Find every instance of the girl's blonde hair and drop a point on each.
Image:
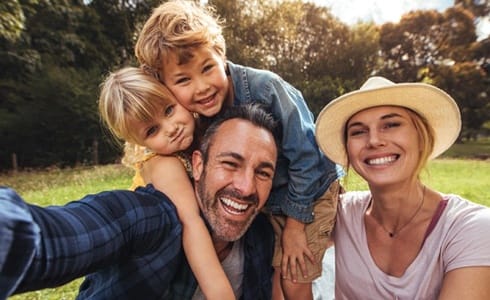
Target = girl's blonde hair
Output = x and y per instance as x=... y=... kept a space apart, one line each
x=129 y=95
x=179 y=27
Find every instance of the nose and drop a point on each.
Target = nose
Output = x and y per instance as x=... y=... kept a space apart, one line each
x=169 y=128
x=375 y=139
x=201 y=86
x=245 y=182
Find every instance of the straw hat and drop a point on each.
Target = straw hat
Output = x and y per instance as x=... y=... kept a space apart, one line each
x=440 y=110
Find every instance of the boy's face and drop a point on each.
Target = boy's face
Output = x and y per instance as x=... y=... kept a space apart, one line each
x=201 y=84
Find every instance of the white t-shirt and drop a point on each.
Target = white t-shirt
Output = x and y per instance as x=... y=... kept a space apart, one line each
x=233 y=265
x=460 y=238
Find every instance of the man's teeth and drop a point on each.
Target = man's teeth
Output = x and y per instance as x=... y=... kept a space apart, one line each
x=382 y=160
x=234 y=205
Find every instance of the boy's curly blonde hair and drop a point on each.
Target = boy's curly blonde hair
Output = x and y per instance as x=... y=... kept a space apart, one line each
x=128 y=95
x=179 y=27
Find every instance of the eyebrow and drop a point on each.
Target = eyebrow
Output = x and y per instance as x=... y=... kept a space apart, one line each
x=242 y=159
x=384 y=117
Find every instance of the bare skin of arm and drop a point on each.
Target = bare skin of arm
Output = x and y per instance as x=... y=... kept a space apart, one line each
x=168 y=175
x=295 y=249
x=470 y=283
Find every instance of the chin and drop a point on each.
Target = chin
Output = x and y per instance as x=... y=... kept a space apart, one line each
x=211 y=111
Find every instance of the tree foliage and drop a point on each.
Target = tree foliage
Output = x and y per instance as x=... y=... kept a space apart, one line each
x=55 y=53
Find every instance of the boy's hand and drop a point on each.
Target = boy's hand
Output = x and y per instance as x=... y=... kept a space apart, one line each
x=295 y=248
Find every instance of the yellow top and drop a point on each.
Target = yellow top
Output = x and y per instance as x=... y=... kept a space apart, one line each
x=138 y=179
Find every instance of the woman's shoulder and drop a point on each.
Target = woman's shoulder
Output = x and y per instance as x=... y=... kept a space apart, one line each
x=461 y=209
x=350 y=200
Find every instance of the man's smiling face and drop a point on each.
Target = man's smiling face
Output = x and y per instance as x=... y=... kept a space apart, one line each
x=235 y=182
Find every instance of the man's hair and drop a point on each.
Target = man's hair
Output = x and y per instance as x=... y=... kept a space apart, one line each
x=255 y=113
x=179 y=27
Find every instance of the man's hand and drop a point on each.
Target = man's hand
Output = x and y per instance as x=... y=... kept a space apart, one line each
x=295 y=249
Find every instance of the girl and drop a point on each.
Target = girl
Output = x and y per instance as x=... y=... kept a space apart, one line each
x=158 y=132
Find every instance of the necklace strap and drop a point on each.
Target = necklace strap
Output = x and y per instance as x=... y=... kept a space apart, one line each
x=394 y=233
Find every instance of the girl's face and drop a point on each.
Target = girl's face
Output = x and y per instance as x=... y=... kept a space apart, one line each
x=201 y=84
x=383 y=145
x=170 y=131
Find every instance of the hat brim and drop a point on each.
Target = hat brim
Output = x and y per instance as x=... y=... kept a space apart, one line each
x=440 y=110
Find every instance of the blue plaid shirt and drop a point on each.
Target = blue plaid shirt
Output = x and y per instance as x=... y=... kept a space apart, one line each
x=128 y=242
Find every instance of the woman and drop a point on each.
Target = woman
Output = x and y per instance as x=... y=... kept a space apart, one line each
x=401 y=239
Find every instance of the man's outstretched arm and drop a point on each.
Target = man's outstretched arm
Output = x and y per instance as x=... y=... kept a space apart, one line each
x=98 y=231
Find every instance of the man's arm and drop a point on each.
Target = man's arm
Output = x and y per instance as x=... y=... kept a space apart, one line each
x=19 y=236
x=96 y=232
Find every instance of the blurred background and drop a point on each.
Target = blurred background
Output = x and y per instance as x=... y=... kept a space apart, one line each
x=55 y=53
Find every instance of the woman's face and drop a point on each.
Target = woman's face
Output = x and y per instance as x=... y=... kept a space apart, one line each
x=383 y=145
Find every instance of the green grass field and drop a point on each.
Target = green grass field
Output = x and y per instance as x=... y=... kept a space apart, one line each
x=468 y=178
x=55 y=187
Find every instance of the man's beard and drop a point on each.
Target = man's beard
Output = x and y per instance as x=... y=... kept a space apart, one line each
x=221 y=227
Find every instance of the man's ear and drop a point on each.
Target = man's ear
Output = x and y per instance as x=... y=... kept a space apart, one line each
x=197 y=164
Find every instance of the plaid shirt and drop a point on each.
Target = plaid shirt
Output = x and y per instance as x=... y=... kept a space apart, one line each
x=130 y=245
x=19 y=236
x=257 y=279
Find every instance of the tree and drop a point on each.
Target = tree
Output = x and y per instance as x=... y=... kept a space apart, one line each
x=49 y=87
x=425 y=39
x=12 y=20
x=301 y=42
x=479 y=8
x=466 y=83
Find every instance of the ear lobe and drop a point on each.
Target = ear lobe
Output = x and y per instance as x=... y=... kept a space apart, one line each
x=197 y=165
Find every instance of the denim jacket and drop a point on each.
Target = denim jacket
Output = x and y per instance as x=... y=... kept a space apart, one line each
x=303 y=172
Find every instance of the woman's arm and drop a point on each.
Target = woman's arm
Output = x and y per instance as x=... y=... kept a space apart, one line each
x=168 y=175
x=469 y=283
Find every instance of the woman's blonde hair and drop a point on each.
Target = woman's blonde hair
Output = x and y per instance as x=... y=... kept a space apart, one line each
x=179 y=27
x=129 y=95
x=426 y=135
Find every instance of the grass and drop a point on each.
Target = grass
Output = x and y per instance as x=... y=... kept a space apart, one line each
x=470 y=149
x=468 y=178
x=58 y=186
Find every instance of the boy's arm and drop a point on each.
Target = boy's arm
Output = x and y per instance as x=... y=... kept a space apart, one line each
x=295 y=249
x=310 y=172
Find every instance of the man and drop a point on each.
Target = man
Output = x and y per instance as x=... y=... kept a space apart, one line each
x=130 y=242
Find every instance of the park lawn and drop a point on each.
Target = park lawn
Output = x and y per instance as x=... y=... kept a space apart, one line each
x=468 y=178
x=470 y=149
x=58 y=186
x=465 y=177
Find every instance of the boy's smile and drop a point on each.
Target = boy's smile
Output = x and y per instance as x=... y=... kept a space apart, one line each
x=200 y=84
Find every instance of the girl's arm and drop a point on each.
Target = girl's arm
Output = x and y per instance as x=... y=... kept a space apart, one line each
x=167 y=174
